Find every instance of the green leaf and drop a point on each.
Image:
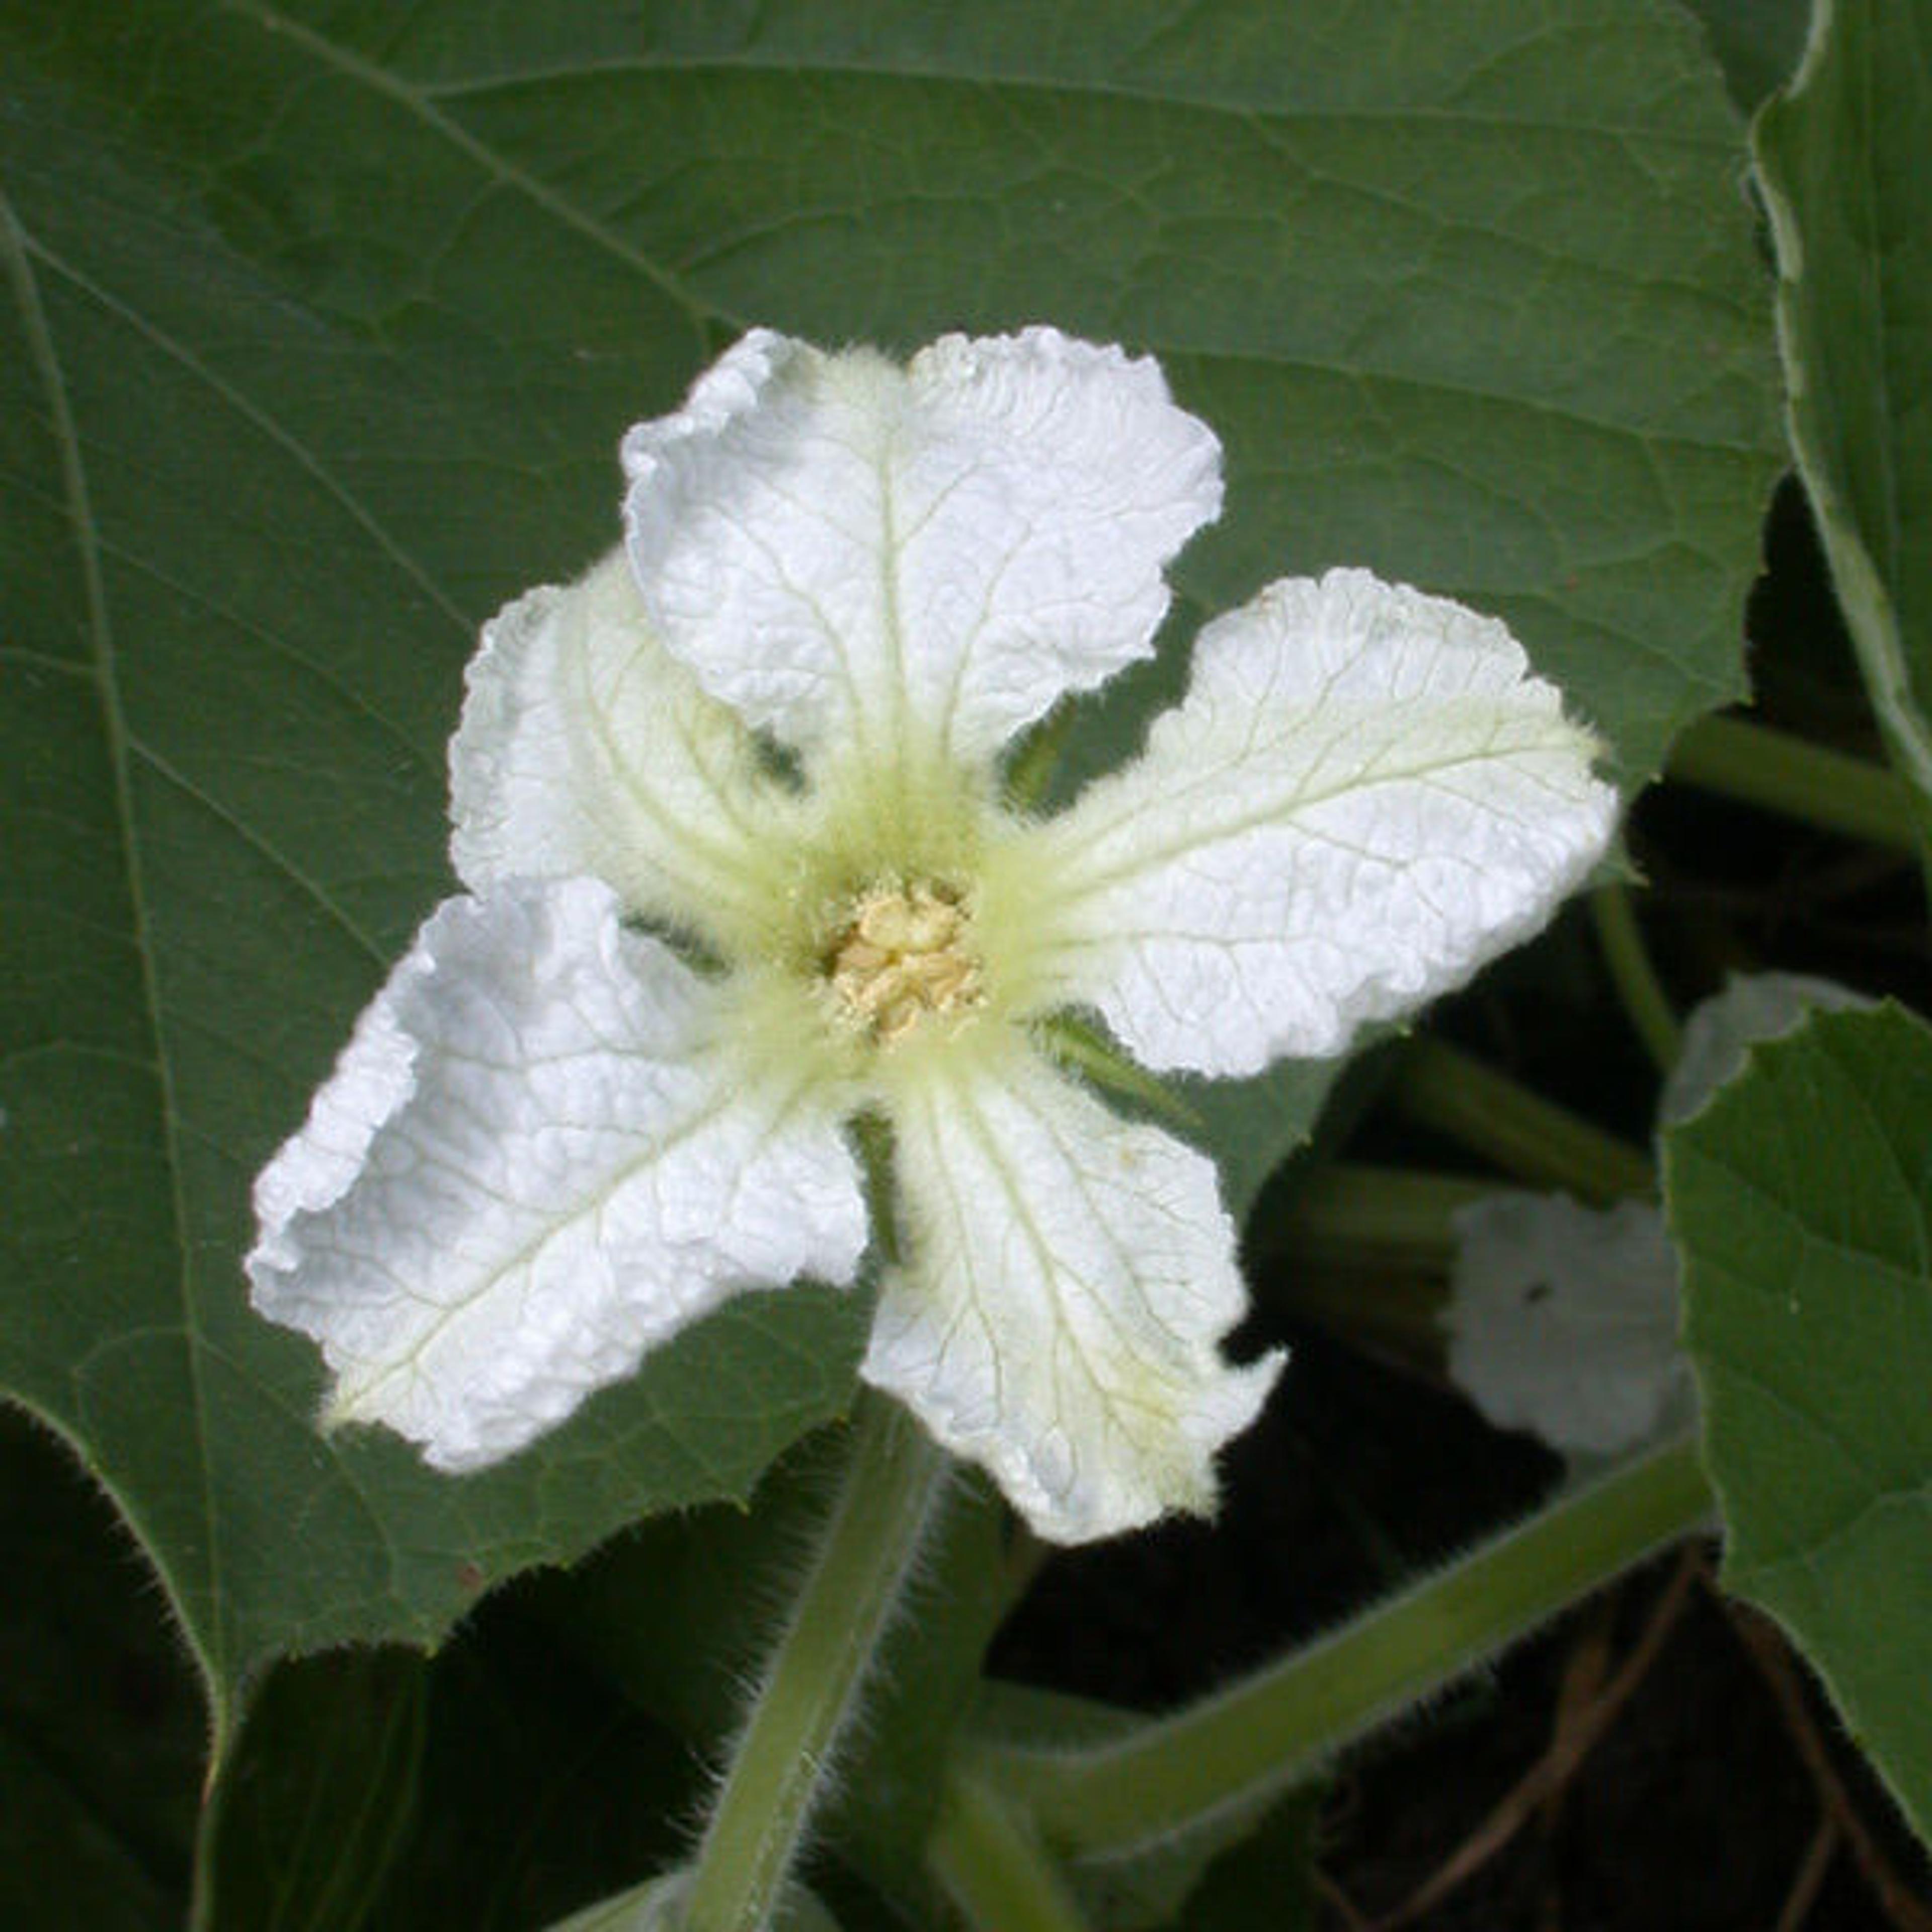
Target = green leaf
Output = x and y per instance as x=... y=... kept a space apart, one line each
x=101 y=1730
x=1247 y=1125
x=320 y=1794
x=1801 y=1199
x=1757 y=42
x=1267 y=1883
x=1841 y=159
x=223 y=739
x=323 y=326
x=538 y=1791
x=497 y=1785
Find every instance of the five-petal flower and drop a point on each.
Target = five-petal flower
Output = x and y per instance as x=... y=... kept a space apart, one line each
x=740 y=864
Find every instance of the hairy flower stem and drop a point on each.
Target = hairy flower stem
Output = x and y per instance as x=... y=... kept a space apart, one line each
x=1735 y=758
x=811 y=1686
x=1266 y=1732
x=1539 y=1142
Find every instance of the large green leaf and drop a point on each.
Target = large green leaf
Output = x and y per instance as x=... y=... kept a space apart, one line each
x=1842 y=159
x=1801 y=1200
x=1757 y=42
x=324 y=323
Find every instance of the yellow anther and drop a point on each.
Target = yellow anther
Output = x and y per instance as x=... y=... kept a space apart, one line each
x=903 y=953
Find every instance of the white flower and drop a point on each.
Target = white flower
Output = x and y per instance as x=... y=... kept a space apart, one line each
x=770 y=730
x=1562 y=1319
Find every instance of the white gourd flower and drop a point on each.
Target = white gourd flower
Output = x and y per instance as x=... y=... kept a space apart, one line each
x=554 y=1141
x=1563 y=1319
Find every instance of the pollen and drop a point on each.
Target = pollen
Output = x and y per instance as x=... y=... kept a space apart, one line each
x=903 y=954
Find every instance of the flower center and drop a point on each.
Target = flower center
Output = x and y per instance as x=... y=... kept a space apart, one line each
x=904 y=952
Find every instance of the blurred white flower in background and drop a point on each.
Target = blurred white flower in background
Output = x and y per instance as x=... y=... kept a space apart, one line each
x=1563 y=1319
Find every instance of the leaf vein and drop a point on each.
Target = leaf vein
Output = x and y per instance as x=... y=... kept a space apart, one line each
x=20 y=254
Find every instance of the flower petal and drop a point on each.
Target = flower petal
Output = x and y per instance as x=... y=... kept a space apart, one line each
x=919 y=561
x=586 y=750
x=1364 y=797
x=536 y=1159
x=1067 y=1278
x=1563 y=1320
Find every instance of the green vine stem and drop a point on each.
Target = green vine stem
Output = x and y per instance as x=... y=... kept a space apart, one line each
x=1173 y=1775
x=997 y=1875
x=843 y=1606
x=1348 y=1214
x=1646 y=1004
x=1367 y=1253
x=1442 y=1088
x=1759 y=765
